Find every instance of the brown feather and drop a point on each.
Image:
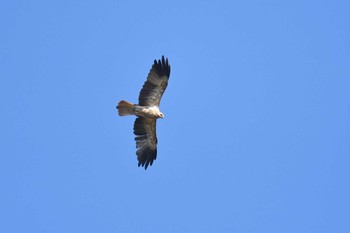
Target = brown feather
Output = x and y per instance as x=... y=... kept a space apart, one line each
x=125 y=108
x=156 y=83
x=146 y=141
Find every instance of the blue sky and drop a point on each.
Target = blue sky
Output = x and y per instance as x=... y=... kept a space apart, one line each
x=257 y=116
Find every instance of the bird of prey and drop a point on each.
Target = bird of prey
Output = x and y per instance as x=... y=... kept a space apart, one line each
x=147 y=111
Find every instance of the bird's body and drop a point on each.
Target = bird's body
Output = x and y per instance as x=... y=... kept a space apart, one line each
x=147 y=111
x=126 y=108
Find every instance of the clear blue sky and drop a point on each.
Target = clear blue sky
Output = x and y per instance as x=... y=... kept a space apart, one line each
x=256 y=135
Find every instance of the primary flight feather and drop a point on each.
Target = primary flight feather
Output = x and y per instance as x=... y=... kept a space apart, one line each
x=147 y=111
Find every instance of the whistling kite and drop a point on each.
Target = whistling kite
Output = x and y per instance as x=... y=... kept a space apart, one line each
x=147 y=111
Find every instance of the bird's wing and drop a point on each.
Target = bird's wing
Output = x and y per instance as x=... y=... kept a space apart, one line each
x=146 y=140
x=156 y=83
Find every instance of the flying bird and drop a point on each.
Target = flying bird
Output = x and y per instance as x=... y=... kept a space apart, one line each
x=147 y=112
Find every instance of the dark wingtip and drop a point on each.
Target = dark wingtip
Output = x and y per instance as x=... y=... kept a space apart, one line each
x=163 y=66
x=146 y=159
x=144 y=164
x=163 y=60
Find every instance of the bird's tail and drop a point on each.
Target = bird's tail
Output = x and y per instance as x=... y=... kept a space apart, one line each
x=125 y=108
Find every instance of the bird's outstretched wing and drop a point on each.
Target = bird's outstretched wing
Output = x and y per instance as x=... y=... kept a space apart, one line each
x=146 y=140
x=156 y=83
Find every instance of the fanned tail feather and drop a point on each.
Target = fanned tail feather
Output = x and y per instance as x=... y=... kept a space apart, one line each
x=125 y=108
